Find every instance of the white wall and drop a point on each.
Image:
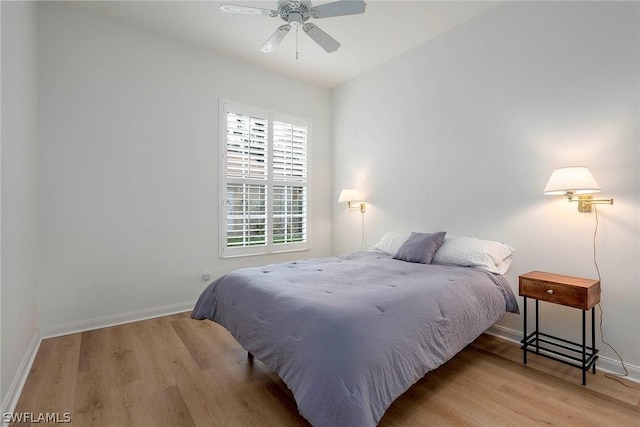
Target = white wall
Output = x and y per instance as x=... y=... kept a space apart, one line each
x=18 y=191
x=129 y=165
x=461 y=134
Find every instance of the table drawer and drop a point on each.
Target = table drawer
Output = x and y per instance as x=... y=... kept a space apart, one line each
x=555 y=293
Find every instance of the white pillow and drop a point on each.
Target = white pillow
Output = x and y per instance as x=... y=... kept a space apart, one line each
x=390 y=243
x=488 y=255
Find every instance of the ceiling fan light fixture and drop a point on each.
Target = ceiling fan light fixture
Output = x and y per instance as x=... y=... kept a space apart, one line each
x=295 y=20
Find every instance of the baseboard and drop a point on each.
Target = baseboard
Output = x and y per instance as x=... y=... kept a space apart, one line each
x=116 y=319
x=20 y=378
x=505 y=333
x=605 y=364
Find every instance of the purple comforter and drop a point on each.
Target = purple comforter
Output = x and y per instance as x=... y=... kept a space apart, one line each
x=350 y=334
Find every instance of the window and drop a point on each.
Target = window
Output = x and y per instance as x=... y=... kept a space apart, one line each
x=263 y=179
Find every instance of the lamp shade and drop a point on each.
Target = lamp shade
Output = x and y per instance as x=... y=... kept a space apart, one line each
x=349 y=195
x=571 y=179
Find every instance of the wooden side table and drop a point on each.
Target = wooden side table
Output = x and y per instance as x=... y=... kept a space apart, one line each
x=570 y=291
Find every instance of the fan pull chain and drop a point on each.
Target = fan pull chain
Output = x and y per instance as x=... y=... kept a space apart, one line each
x=296 y=43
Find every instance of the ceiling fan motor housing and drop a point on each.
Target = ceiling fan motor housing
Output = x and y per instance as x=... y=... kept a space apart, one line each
x=294 y=12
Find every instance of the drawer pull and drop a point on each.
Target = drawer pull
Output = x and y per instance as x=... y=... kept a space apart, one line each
x=550 y=291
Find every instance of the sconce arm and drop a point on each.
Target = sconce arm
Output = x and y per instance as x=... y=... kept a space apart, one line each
x=585 y=202
x=356 y=206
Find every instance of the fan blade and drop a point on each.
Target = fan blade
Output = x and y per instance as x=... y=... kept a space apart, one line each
x=275 y=39
x=338 y=8
x=236 y=8
x=325 y=41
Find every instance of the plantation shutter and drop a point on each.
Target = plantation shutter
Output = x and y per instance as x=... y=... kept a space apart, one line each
x=265 y=180
x=246 y=161
x=246 y=146
x=290 y=170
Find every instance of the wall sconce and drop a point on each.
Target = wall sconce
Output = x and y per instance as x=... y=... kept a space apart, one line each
x=575 y=180
x=352 y=199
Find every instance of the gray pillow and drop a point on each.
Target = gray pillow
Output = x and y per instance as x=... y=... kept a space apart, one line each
x=420 y=247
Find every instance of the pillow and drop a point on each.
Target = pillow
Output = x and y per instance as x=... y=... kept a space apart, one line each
x=488 y=255
x=390 y=243
x=420 y=247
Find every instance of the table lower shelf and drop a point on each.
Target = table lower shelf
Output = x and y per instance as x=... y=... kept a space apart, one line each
x=561 y=350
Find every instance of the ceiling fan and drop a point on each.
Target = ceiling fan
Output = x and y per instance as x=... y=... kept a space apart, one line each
x=296 y=13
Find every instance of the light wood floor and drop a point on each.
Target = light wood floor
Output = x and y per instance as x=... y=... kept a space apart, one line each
x=174 y=371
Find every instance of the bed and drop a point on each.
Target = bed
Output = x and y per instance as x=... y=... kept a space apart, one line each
x=349 y=334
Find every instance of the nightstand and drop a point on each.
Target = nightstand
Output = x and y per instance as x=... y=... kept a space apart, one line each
x=569 y=291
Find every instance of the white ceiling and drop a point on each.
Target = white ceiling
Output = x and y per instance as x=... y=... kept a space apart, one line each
x=385 y=30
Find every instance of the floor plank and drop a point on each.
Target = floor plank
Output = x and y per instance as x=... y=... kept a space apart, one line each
x=51 y=383
x=175 y=371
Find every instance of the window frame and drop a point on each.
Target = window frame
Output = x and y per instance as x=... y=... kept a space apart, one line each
x=270 y=116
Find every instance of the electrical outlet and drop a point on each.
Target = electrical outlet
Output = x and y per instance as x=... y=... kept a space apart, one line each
x=206 y=276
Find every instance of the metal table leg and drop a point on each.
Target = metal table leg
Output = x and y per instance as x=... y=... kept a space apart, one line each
x=584 y=349
x=537 y=331
x=593 y=336
x=524 y=347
